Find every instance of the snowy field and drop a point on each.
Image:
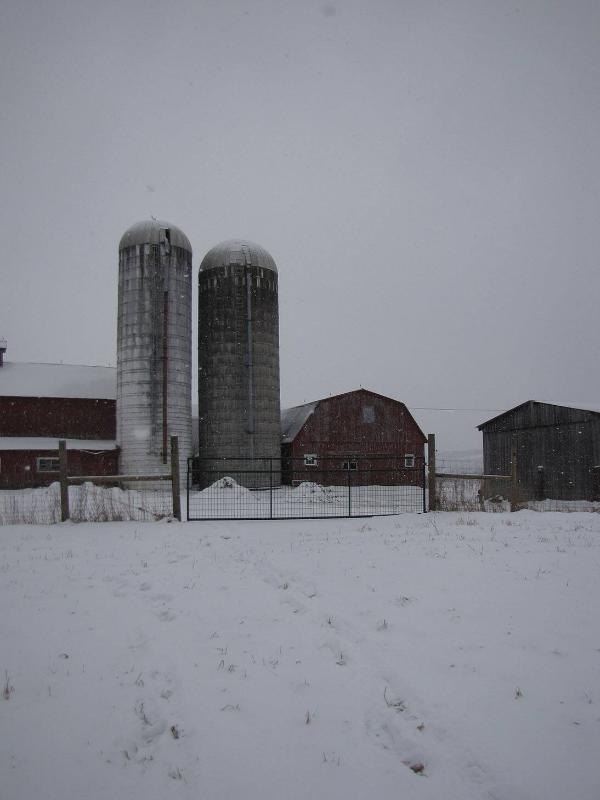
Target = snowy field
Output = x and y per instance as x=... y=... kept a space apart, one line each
x=451 y=656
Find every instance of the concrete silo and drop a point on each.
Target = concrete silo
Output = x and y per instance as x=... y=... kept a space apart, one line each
x=238 y=361
x=154 y=358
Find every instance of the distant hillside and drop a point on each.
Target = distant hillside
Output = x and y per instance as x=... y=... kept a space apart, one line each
x=467 y=461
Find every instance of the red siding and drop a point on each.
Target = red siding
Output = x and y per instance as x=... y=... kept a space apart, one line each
x=64 y=418
x=338 y=428
x=59 y=418
x=18 y=468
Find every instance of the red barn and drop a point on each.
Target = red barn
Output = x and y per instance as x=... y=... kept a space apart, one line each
x=42 y=403
x=360 y=431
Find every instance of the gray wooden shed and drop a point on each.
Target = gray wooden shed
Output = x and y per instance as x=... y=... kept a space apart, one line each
x=558 y=449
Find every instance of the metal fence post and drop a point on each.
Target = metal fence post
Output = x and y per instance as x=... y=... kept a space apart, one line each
x=190 y=466
x=175 y=486
x=431 y=463
x=64 y=483
x=349 y=495
x=270 y=488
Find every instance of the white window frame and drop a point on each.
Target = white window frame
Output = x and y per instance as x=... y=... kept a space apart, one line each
x=39 y=461
x=311 y=460
x=351 y=465
x=409 y=460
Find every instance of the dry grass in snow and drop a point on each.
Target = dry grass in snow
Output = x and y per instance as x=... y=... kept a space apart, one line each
x=432 y=656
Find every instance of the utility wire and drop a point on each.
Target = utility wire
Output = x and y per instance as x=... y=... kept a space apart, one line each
x=429 y=408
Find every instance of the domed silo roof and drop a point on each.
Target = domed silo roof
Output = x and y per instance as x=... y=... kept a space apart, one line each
x=148 y=231
x=238 y=251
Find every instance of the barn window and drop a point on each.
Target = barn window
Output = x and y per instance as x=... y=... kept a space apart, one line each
x=368 y=414
x=350 y=465
x=48 y=464
x=409 y=460
x=310 y=460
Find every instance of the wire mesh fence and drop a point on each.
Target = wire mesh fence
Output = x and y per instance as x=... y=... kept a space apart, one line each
x=146 y=503
x=457 y=490
x=30 y=506
x=357 y=486
x=460 y=485
x=87 y=502
x=468 y=493
x=97 y=498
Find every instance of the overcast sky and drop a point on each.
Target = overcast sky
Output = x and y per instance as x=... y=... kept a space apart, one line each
x=425 y=174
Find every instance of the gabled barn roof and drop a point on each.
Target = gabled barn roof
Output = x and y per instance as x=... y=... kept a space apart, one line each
x=18 y=379
x=293 y=419
x=594 y=408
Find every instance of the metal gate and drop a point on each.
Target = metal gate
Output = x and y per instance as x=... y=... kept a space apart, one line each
x=304 y=488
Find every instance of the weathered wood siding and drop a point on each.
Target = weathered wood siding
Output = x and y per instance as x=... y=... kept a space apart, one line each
x=564 y=442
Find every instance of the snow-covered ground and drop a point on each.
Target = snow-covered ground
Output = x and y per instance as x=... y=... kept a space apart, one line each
x=302 y=659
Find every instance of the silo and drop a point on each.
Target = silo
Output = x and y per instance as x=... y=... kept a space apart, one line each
x=238 y=362
x=154 y=335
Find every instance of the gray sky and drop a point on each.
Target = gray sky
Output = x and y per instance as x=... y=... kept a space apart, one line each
x=425 y=174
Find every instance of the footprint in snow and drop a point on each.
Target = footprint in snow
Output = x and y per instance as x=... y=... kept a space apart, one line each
x=161 y=598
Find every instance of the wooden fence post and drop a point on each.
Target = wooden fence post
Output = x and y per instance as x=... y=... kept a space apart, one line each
x=596 y=483
x=514 y=498
x=175 y=477
x=64 y=484
x=431 y=465
x=540 y=484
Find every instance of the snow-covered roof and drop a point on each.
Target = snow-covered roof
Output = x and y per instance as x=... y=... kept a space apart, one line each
x=293 y=420
x=47 y=443
x=57 y=380
x=152 y=231
x=238 y=251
